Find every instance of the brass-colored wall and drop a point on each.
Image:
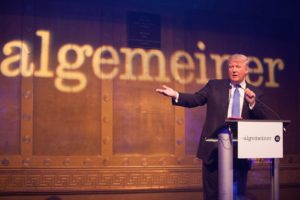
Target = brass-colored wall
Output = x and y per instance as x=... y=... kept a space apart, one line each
x=115 y=135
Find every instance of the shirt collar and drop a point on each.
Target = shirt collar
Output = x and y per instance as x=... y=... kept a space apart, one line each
x=242 y=84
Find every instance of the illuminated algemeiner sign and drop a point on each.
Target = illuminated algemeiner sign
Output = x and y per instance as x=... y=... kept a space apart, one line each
x=68 y=78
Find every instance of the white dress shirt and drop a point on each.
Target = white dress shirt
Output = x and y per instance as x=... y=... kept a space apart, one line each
x=242 y=94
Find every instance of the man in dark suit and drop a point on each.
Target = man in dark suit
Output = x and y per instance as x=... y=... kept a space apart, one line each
x=224 y=98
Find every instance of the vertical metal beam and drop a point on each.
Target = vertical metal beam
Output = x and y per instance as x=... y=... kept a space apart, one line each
x=275 y=179
x=225 y=166
x=106 y=120
x=26 y=126
x=179 y=128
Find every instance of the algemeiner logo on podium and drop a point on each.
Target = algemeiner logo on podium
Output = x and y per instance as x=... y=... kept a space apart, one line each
x=260 y=139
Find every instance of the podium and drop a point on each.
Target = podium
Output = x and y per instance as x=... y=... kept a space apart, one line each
x=263 y=135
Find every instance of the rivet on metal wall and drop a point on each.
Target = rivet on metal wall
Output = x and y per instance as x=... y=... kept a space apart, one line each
x=179 y=141
x=106 y=98
x=105 y=120
x=125 y=161
x=87 y=161
x=162 y=161
x=179 y=161
x=26 y=162
x=144 y=162
x=66 y=161
x=26 y=139
x=26 y=117
x=5 y=162
x=27 y=94
x=105 y=161
x=47 y=162
x=106 y=140
x=179 y=121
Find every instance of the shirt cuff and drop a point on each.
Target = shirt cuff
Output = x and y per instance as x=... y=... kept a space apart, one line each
x=176 y=98
x=251 y=107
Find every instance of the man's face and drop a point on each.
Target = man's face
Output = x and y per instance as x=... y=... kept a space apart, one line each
x=237 y=70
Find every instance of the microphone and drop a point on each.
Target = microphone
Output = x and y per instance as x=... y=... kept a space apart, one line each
x=259 y=101
x=269 y=108
x=272 y=111
x=262 y=103
x=266 y=106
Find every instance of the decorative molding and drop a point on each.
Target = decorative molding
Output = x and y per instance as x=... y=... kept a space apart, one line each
x=128 y=178
x=49 y=180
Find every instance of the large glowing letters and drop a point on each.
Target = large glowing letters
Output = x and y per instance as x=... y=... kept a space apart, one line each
x=256 y=69
x=99 y=60
x=65 y=69
x=145 y=62
x=182 y=61
x=272 y=64
x=106 y=63
x=44 y=71
x=21 y=56
x=202 y=79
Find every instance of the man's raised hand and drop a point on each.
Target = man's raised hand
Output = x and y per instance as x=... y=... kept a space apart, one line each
x=167 y=91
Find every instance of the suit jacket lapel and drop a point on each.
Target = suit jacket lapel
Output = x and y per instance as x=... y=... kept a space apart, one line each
x=225 y=96
x=245 y=110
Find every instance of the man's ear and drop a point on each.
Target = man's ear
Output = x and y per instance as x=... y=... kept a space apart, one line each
x=247 y=70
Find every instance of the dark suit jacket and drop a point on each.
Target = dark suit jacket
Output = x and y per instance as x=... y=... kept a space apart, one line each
x=215 y=94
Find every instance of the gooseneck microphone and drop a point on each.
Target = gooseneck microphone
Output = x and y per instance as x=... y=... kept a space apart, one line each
x=267 y=107
x=258 y=101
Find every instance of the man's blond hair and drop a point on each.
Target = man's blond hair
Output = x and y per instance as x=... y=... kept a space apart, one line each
x=239 y=57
